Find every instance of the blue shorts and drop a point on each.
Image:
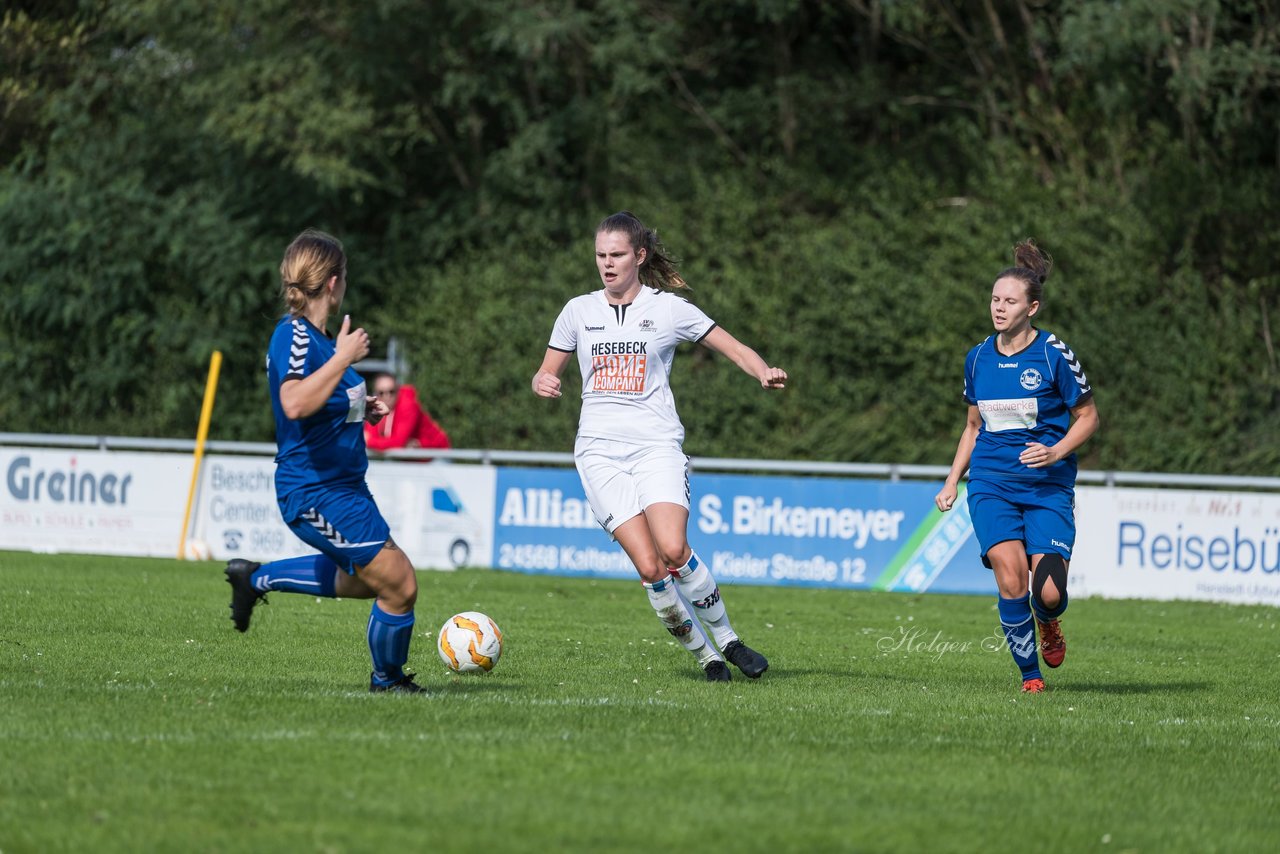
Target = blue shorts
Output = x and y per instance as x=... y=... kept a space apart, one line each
x=1039 y=515
x=343 y=523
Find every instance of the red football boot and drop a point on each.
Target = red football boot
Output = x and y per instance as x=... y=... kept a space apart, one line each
x=1053 y=647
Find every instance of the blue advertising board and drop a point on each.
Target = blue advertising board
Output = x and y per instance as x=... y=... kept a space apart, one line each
x=811 y=532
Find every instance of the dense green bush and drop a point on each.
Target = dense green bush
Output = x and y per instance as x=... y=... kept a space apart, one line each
x=841 y=181
x=871 y=312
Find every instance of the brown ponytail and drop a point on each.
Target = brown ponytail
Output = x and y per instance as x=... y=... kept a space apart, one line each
x=310 y=261
x=1031 y=266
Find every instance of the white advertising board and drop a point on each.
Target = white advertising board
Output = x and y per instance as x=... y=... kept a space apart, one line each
x=236 y=513
x=1131 y=543
x=1177 y=544
x=95 y=502
x=440 y=514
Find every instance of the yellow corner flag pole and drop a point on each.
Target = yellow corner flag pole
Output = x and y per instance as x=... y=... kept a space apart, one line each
x=206 y=412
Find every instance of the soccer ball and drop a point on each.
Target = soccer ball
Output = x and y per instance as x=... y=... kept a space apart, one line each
x=469 y=642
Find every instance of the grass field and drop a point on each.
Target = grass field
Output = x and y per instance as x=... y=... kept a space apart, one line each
x=134 y=718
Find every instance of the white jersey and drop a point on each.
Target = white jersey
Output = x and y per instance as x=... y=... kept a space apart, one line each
x=625 y=354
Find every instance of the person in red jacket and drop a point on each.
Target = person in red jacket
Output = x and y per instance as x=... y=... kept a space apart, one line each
x=408 y=425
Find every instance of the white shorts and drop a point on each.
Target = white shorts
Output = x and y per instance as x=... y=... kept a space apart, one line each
x=621 y=479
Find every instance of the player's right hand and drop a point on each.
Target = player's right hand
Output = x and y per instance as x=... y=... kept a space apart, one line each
x=546 y=385
x=351 y=346
x=945 y=498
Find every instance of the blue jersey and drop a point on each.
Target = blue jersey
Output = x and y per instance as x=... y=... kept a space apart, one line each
x=327 y=447
x=1023 y=397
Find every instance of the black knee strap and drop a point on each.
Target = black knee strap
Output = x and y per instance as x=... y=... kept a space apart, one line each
x=1051 y=566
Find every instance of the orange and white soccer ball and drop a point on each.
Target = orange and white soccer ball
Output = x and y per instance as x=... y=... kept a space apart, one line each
x=470 y=642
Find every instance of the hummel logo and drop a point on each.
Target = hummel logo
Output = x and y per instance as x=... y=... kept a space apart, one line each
x=1023 y=646
x=1006 y=364
x=595 y=329
x=711 y=600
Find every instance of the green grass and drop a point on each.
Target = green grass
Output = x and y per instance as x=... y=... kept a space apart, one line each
x=133 y=717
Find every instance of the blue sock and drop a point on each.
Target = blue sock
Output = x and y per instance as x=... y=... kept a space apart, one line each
x=1047 y=614
x=389 y=636
x=314 y=574
x=1020 y=634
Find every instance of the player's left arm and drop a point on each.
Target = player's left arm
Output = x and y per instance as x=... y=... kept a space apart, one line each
x=1084 y=423
x=374 y=411
x=746 y=358
x=404 y=426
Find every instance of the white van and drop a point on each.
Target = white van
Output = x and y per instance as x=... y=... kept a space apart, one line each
x=427 y=518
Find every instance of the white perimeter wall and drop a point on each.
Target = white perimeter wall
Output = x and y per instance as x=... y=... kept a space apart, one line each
x=1143 y=543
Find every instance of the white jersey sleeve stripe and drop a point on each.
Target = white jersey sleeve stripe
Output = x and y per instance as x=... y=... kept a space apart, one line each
x=1077 y=370
x=298 y=351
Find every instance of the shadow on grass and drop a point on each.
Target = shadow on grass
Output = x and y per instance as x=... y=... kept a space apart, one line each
x=1132 y=688
x=472 y=685
x=775 y=674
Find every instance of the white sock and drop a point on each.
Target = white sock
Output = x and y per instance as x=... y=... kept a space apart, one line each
x=671 y=610
x=700 y=589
